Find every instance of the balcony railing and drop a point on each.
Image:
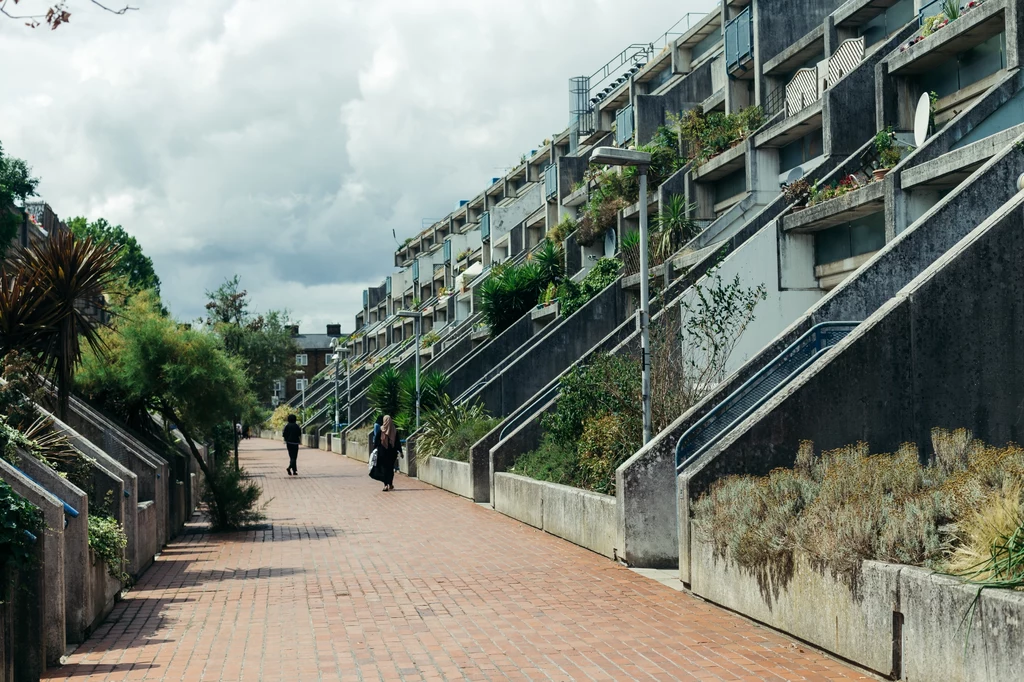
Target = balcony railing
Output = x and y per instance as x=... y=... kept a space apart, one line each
x=415 y=271
x=739 y=42
x=623 y=125
x=485 y=226
x=447 y=250
x=551 y=181
x=387 y=286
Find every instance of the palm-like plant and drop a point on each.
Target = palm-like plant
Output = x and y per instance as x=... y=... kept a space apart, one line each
x=444 y=422
x=673 y=227
x=550 y=261
x=433 y=385
x=509 y=294
x=385 y=391
x=45 y=289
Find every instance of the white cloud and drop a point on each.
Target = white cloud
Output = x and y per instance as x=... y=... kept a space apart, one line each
x=284 y=141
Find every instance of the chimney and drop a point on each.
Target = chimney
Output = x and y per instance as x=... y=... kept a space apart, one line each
x=294 y=329
x=334 y=330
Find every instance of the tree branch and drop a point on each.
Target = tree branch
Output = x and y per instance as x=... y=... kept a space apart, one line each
x=123 y=10
x=57 y=14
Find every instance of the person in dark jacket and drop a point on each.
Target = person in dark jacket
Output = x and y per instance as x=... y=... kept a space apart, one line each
x=292 y=439
x=388 y=449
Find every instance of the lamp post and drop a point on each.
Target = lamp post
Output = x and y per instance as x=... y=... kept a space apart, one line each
x=337 y=381
x=418 y=317
x=348 y=386
x=301 y=373
x=613 y=156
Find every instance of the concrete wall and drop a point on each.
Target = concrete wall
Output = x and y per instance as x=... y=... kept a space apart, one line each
x=104 y=591
x=446 y=474
x=902 y=622
x=909 y=367
x=809 y=604
x=76 y=545
x=584 y=518
x=52 y=569
x=22 y=623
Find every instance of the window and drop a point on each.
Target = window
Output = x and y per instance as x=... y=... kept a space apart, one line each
x=301 y=384
x=864 y=235
x=278 y=388
x=301 y=359
x=808 y=147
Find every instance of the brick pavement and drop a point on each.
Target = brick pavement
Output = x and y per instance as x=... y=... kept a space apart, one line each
x=417 y=584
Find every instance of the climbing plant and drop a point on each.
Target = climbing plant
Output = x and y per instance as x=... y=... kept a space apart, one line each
x=108 y=540
x=17 y=515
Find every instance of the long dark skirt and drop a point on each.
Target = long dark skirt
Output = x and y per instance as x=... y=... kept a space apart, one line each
x=384 y=471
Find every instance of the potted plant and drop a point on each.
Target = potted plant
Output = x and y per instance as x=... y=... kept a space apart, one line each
x=888 y=152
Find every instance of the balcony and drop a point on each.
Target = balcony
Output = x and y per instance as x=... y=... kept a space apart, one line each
x=551 y=181
x=624 y=125
x=739 y=43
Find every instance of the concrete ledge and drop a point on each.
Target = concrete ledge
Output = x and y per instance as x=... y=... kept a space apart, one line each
x=730 y=160
x=149 y=540
x=960 y=162
x=455 y=477
x=856 y=204
x=969 y=30
x=583 y=518
x=808 y=604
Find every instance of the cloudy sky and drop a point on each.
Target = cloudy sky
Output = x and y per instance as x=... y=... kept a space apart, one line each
x=284 y=140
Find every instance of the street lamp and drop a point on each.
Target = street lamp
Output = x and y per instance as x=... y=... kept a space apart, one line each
x=302 y=373
x=418 y=316
x=337 y=381
x=613 y=156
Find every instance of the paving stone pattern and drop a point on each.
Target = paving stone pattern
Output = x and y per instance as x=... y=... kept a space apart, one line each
x=350 y=583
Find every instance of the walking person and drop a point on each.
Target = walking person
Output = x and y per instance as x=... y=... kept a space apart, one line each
x=388 y=449
x=292 y=439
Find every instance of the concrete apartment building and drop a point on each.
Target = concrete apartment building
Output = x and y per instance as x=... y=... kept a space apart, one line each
x=876 y=289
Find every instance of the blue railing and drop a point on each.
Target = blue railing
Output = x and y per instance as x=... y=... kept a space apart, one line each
x=551 y=181
x=447 y=250
x=623 y=125
x=416 y=270
x=757 y=389
x=739 y=42
x=485 y=226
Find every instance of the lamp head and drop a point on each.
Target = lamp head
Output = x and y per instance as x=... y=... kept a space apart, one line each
x=614 y=156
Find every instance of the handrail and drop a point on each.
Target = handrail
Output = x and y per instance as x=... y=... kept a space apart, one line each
x=528 y=410
x=703 y=427
x=68 y=509
x=31 y=537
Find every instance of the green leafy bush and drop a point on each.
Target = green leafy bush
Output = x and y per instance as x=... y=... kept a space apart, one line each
x=573 y=296
x=107 y=538
x=237 y=502
x=17 y=515
x=553 y=461
x=561 y=231
x=708 y=135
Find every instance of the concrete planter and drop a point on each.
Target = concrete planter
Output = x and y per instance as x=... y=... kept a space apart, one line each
x=455 y=477
x=545 y=313
x=104 y=591
x=583 y=518
x=903 y=622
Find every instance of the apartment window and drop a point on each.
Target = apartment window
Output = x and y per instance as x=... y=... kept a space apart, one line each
x=278 y=388
x=301 y=359
x=808 y=147
x=301 y=384
x=864 y=235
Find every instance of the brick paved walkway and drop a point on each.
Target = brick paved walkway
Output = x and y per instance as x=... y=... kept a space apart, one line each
x=352 y=583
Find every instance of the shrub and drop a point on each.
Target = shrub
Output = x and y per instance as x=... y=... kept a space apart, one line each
x=17 y=515
x=429 y=339
x=961 y=511
x=107 y=538
x=708 y=135
x=433 y=385
x=561 y=231
x=573 y=296
x=385 y=392
x=237 y=503
x=509 y=293
x=673 y=227
x=279 y=417
x=553 y=461
x=606 y=442
x=450 y=430
x=550 y=261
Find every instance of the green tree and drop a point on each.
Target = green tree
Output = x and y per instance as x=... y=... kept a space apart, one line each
x=180 y=373
x=16 y=185
x=261 y=342
x=135 y=267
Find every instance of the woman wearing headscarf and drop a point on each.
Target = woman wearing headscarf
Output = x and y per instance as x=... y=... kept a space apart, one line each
x=388 y=449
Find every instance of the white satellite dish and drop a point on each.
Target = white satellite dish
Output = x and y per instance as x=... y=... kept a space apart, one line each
x=922 y=117
x=795 y=174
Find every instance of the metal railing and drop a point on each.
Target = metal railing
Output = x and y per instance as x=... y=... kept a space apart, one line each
x=624 y=125
x=551 y=181
x=528 y=410
x=739 y=42
x=775 y=102
x=727 y=414
x=485 y=226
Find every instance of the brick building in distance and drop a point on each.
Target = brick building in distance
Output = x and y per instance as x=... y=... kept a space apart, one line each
x=311 y=358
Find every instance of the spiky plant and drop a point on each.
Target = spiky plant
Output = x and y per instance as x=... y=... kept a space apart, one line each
x=433 y=385
x=385 y=391
x=45 y=289
x=673 y=227
x=450 y=429
x=550 y=261
x=510 y=293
